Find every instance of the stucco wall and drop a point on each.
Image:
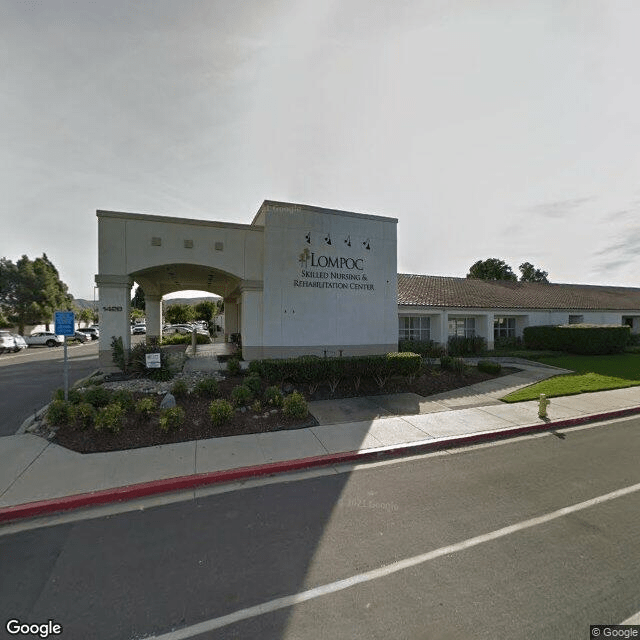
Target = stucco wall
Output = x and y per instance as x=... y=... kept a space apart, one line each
x=319 y=292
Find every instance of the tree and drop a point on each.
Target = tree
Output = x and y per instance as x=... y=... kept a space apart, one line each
x=179 y=313
x=138 y=301
x=491 y=269
x=206 y=310
x=530 y=274
x=30 y=291
x=84 y=315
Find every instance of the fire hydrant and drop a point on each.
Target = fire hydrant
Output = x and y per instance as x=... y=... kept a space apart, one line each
x=542 y=407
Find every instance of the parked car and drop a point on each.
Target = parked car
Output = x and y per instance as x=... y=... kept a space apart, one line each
x=92 y=332
x=20 y=342
x=7 y=342
x=138 y=329
x=82 y=337
x=47 y=338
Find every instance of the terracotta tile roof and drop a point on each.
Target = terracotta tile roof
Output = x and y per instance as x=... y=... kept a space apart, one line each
x=439 y=291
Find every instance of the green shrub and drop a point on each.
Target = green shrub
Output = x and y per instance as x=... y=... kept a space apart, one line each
x=118 y=354
x=578 y=338
x=73 y=395
x=146 y=407
x=295 y=406
x=59 y=413
x=220 y=411
x=179 y=388
x=206 y=388
x=254 y=383
x=171 y=418
x=241 y=396
x=110 y=418
x=458 y=366
x=505 y=343
x=273 y=396
x=489 y=366
x=84 y=415
x=124 y=398
x=426 y=348
x=256 y=407
x=446 y=363
x=466 y=346
x=97 y=396
x=185 y=338
x=233 y=366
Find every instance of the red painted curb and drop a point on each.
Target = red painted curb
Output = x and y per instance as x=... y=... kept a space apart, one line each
x=154 y=487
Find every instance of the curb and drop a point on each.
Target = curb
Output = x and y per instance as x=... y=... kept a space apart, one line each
x=168 y=485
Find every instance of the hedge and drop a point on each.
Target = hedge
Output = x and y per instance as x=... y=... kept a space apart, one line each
x=315 y=370
x=578 y=338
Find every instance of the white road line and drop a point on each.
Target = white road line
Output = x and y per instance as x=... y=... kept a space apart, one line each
x=386 y=570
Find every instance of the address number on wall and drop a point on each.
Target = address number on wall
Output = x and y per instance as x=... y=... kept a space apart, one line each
x=112 y=308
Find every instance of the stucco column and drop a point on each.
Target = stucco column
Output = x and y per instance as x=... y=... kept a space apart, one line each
x=251 y=319
x=114 y=315
x=487 y=329
x=230 y=318
x=444 y=328
x=153 y=313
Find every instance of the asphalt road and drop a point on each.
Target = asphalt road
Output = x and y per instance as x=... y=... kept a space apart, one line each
x=487 y=552
x=28 y=379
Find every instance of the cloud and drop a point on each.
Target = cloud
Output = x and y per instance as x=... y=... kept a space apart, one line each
x=559 y=208
x=621 y=252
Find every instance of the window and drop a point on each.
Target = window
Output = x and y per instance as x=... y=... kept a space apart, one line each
x=504 y=328
x=464 y=327
x=576 y=319
x=414 y=328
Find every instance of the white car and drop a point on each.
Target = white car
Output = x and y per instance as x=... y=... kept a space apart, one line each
x=47 y=338
x=21 y=343
x=7 y=342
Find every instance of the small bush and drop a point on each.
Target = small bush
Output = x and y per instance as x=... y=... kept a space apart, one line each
x=488 y=366
x=458 y=366
x=256 y=407
x=124 y=398
x=254 y=383
x=74 y=395
x=110 y=418
x=146 y=407
x=273 y=396
x=241 y=396
x=220 y=411
x=171 y=419
x=446 y=363
x=179 y=388
x=84 y=415
x=97 y=396
x=59 y=413
x=295 y=406
x=233 y=366
x=178 y=338
x=206 y=388
x=466 y=346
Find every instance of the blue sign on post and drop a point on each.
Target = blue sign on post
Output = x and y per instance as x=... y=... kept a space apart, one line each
x=65 y=323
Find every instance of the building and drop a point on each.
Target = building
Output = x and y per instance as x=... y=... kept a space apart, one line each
x=434 y=307
x=304 y=280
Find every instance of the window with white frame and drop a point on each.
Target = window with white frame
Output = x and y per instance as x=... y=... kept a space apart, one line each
x=464 y=327
x=414 y=328
x=504 y=328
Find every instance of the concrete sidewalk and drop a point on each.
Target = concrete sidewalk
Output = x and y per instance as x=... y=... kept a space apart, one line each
x=37 y=476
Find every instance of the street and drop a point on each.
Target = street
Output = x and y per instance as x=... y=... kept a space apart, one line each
x=469 y=543
x=29 y=378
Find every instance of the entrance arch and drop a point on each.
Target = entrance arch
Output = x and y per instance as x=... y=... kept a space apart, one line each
x=165 y=255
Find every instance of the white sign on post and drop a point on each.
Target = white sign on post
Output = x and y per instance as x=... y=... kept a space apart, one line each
x=153 y=360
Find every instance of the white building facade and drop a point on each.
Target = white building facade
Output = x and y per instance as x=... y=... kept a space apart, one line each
x=298 y=280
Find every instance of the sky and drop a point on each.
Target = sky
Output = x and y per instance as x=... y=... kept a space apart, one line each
x=488 y=128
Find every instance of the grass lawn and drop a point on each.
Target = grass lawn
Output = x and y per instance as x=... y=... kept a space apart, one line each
x=593 y=373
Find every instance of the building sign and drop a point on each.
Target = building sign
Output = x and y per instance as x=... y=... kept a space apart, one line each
x=65 y=324
x=321 y=271
x=152 y=360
